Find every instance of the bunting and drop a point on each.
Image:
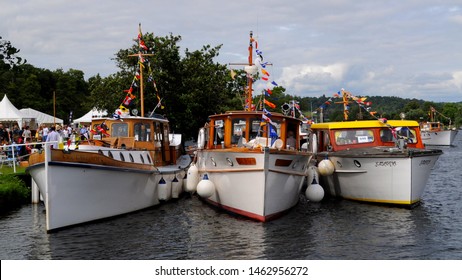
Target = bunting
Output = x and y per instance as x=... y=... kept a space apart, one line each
x=143 y=63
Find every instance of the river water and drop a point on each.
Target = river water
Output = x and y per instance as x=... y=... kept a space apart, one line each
x=189 y=229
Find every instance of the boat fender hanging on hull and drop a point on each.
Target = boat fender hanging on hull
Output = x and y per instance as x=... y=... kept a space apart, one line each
x=205 y=188
x=326 y=167
x=314 y=192
x=176 y=187
x=192 y=178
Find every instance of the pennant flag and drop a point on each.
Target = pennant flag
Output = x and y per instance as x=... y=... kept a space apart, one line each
x=268 y=113
x=274 y=83
x=269 y=91
x=264 y=78
x=233 y=74
x=265 y=72
x=271 y=105
x=143 y=45
x=123 y=109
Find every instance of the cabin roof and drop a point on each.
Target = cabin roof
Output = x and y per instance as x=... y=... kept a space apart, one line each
x=363 y=124
x=156 y=118
x=250 y=113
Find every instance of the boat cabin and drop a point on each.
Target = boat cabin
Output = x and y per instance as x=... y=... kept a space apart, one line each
x=235 y=128
x=136 y=133
x=337 y=136
x=431 y=126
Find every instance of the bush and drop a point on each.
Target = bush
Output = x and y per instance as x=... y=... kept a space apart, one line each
x=13 y=192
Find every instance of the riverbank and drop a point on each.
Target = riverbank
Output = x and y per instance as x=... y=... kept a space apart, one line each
x=14 y=189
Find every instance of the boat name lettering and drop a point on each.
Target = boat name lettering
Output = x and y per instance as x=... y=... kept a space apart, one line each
x=388 y=163
x=425 y=162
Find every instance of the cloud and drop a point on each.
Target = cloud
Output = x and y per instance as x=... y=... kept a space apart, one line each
x=403 y=48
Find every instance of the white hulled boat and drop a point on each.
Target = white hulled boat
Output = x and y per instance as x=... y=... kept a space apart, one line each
x=434 y=133
x=130 y=164
x=373 y=160
x=247 y=168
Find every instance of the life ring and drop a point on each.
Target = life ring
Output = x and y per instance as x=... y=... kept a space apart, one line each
x=201 y=138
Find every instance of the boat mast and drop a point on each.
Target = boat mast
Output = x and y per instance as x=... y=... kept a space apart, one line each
x=249 y=79
x=141 y=56
x=345 y=101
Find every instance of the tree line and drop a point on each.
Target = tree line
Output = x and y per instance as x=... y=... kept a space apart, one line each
x=191 y=86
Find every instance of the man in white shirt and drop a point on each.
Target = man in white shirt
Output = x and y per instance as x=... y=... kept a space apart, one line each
x=53 y=136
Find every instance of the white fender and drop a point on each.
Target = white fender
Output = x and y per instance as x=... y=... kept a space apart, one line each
x=192 y=179
x=176 y=188
x=201 y=139
x=314 y=192
x=326 y=167
x=205 y=188
x=162 y=187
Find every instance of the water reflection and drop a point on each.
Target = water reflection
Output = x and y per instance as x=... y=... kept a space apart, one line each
x=190 y=229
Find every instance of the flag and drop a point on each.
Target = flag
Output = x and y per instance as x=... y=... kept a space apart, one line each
x=271 y=105
x=233 y=74
x=264 y=78
x=268 y=113
x=264 y=72
x=274 y=83
x=143 y=45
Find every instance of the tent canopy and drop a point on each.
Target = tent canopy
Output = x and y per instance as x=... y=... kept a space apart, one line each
x=8 y=112
x=40 y=118
x=94 y=113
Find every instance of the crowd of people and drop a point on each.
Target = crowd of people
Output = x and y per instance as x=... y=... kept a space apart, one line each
x=44 y=133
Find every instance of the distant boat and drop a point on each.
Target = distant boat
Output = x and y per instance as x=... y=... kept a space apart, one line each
x=131 y=163
x=434 y=133
x=245 y=163
x=379 y=161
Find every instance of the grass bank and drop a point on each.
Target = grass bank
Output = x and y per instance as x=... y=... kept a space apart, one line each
x=13 y=189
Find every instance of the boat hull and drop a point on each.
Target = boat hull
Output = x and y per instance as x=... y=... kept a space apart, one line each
x=398 y=179
x=80 y=192
x=258 y=185
x=438 y=138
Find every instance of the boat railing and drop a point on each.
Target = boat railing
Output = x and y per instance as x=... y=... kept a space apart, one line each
x=11 y=154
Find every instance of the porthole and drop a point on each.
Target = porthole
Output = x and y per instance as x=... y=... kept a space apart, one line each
x=357 y=163
x=142 y=158
x=122 y=158
x=100 y=152
x=230 y=162
x=109 y=154
x=131 y=157
x=213 y=161
x=149 y=159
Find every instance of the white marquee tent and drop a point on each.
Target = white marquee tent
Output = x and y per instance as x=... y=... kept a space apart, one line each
x=94 y=113
x=9 y=113
x=40 y=118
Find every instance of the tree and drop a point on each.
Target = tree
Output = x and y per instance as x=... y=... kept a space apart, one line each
x=8 y=56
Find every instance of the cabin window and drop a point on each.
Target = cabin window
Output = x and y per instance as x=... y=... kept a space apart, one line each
x=386 y=135
x=255 y=129
x=119 y=130
x=158 y=134
x=142 y=132
x=354 y=136
x=219 y=134
x=407 y=133
x=238 y=130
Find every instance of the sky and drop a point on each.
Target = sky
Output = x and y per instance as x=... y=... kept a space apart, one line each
x=404 y=48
